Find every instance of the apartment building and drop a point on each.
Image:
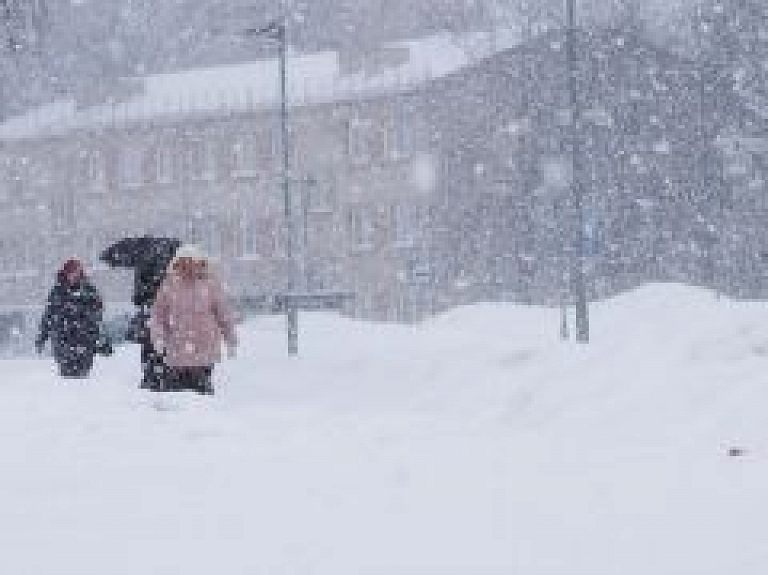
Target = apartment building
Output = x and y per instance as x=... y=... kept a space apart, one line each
x=198 y=155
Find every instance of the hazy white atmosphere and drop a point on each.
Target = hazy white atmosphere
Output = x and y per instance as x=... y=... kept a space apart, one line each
x=383 y=287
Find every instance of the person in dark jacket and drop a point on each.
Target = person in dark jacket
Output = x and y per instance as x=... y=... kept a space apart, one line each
x=149 y=256
x=149 y=274
x=72 y=321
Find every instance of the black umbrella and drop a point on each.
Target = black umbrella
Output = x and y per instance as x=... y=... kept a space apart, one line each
x=135 y=251
x=149 y=256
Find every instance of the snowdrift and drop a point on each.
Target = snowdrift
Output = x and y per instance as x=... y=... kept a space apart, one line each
x=476 y=443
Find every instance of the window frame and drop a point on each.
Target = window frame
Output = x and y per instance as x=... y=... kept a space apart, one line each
x=130 y=167
x=200 y=160
x=165 y=165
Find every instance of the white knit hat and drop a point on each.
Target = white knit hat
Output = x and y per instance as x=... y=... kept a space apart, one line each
x=190 y=251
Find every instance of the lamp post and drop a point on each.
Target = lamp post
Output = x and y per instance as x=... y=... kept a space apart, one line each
x=276 y=32
x=295 y=236
x=578 y=280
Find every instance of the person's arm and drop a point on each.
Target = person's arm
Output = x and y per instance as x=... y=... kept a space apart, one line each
x=46 y=322
x=223 y=314
x=96 y=303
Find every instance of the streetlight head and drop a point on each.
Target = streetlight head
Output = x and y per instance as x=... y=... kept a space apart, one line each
x=275 y=30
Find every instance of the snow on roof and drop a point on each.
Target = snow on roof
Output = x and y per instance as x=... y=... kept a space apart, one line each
x=311 y=79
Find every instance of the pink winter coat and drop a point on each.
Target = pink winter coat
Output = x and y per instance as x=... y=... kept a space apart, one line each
x=189 y=320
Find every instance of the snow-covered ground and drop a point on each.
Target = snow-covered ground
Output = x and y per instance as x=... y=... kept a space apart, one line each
x=475 y=444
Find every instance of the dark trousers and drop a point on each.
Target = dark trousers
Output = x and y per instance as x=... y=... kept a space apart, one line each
x=153 y=367
x=76 y=365
x=74 y=358
x=199 y=379
x=159 y=376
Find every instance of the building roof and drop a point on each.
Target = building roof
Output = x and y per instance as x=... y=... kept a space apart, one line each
x=311 y=79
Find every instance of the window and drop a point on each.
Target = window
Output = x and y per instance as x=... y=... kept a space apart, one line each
x=130 y=167
x=321 y=197
x=360 y=140
x=248 y=239
x=200 y=160
x=246 y=153
x=18 y=177
x=258 y=237
x=6 y=252
x=419 y=270
x=9 y=182
x=212 y=237
x=504 y=270
x=6 y=180
x=319 y=277
x=164 y=165
x=405 y=224
x=63 y=211
x=740 y=165
x=404 y=130
x=94 y=171
x=361 y=228
x=39 y=173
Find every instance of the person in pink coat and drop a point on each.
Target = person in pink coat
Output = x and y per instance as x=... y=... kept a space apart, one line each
x=190 y=320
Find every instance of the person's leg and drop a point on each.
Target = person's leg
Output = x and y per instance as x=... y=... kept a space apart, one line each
x=82 y=363
x=64 y=355
x=147 y=353
x=172 y=378
x=192 y=379
x=65 y=368
x=204 y=380
x=155 y=372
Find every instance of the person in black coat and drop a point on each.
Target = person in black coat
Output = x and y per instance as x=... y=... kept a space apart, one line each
x=72 y=321
x=149 y=274
x=149 y=257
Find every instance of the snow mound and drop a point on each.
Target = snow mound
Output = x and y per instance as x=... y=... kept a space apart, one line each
x=476 y=443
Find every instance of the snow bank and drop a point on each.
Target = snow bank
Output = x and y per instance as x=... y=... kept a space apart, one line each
x=476 y=443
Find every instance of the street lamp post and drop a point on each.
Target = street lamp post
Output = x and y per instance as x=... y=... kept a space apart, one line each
x=276 y=31
x=296 y=297
x=578 y=280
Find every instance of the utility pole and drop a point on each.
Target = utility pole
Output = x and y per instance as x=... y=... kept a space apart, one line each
x=578 y=280
x=277 y=32
x=292 y=315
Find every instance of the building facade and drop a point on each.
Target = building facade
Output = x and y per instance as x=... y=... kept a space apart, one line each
x=360 y=186
x=417 y=185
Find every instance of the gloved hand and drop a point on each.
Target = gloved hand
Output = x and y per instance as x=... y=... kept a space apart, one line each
x=39 y=346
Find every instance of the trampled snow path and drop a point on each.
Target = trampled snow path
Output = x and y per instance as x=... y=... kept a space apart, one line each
x=475 y=444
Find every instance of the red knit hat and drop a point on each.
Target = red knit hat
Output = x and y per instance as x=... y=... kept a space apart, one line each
x=71 y=266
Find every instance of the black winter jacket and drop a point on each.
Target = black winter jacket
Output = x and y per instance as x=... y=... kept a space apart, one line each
x=72 y=316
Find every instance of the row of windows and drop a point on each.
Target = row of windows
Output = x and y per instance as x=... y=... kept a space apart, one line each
x=248 y=155
x=364 y=141
x=137 y=165
x=264 y=237
x=406 y=222
x=367 y=139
